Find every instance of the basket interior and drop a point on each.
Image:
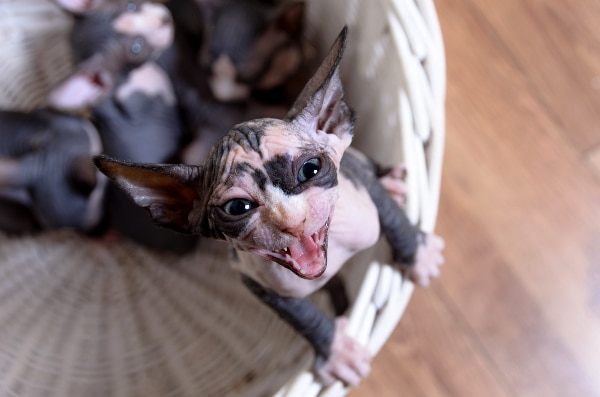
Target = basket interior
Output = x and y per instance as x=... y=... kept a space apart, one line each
x=81 y=318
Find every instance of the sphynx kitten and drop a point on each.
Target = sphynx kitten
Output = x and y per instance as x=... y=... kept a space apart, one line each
x=130 y=98
x=290 y=195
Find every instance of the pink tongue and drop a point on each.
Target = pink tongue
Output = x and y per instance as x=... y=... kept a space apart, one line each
x=305 y=251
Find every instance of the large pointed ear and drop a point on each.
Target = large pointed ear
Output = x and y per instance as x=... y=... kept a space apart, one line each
x=165 y=190
x=321 y=106
x=90 y=83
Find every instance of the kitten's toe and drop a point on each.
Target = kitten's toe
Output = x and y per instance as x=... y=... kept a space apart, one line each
x=428 y=261
x=349 y=361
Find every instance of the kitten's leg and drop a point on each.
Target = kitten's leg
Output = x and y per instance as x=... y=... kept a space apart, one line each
x=429 y=254
x=338 y=356
x=419 y=252
x=393 y=181
x=422 y=252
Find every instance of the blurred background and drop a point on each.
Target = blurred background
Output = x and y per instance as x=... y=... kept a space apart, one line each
x=516 y=311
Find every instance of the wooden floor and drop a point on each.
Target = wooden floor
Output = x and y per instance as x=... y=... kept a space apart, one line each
x=517 y=309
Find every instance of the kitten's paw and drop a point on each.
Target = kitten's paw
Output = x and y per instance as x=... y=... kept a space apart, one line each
x=393 y=182
x=428 y=261
x=349 y=361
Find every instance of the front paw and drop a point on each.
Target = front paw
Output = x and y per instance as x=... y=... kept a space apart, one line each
x=348 y=362
x=428 y=260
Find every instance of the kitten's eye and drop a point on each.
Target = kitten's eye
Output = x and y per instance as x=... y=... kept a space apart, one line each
x=131 y=6
x=137 y=46
x=309 y=170
x=238 y=206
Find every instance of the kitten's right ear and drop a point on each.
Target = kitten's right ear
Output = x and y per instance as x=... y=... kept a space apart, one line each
x=321 y=106
x=166 y=191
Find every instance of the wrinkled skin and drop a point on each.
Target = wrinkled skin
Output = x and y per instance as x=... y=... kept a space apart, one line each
x=290 y=196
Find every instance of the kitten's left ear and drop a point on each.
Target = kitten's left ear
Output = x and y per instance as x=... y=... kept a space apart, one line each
x=320 y=106
x=165 y=190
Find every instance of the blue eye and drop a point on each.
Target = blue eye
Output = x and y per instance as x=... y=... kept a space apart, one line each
x=238 y=206
x=131 y=6
x=309 y=170
x=137 y=46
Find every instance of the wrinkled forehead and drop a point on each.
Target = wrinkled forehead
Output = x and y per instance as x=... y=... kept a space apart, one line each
x=258 y=141
x=264 y=152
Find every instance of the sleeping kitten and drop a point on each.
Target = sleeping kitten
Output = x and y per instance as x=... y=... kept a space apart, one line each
x=296 y=202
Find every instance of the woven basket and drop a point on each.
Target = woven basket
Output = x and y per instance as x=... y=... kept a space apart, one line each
x=78 y=318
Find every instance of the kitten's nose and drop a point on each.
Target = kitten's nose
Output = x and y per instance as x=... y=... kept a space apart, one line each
x=290 y=219
x=296 y=230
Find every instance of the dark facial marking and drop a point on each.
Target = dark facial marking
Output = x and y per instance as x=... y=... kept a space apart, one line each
x=283 y=172
x=237 y=170
x=279 y=170
x=260 y=178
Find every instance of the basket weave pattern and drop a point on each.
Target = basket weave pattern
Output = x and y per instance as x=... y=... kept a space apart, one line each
x=83 y=319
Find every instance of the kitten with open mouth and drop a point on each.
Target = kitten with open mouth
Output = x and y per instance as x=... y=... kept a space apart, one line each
x=307 y=258
x=296 y=202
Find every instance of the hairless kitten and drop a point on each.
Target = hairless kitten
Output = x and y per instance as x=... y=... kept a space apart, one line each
x=131 y=99
x=289 y=195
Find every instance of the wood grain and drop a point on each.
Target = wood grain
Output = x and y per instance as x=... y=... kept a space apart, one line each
x=516 y=311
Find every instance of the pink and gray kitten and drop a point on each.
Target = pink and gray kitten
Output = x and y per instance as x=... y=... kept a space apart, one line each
x=290 y=196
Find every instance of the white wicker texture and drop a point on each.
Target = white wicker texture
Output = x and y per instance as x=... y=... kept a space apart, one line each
x=35 y=53
x=81 y=319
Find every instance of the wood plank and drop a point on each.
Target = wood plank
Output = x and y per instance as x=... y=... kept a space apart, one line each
x=511 y=323
x=555 y=44
x=432 y=353
x=528 y=184
x=593 y=158
x=520 y=211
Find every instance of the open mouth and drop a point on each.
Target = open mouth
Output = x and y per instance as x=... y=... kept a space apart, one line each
x=307 y=257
